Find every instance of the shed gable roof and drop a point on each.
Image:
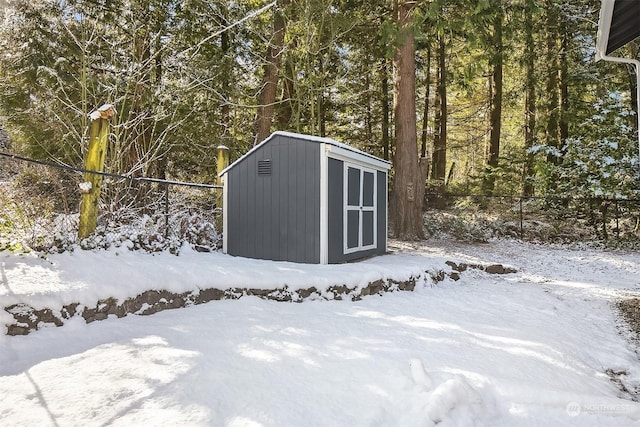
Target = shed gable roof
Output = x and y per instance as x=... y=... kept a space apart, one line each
x=619 y=24
x=311 y=138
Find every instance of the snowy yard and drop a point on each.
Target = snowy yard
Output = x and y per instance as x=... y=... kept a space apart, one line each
x=542 y=346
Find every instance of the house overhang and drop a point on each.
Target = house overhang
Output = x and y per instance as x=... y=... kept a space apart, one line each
x=619 y=24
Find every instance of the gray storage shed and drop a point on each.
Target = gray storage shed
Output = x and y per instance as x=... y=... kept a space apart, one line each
x=305 y=199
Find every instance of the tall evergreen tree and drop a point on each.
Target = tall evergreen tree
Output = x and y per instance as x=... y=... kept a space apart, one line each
x=409 y=180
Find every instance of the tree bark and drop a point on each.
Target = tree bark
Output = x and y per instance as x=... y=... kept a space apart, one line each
x=267 y=96
x=553 y=106
x=408 y=184
x=227 y=60
x=384 y=81
x=530 y=101
x=285 y=112
x=439 y=157
x=564 y=89
x=633 y=81
x=493 y=152
x=425 y=113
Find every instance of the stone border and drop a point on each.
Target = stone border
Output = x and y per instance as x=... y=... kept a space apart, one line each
x=152 y=301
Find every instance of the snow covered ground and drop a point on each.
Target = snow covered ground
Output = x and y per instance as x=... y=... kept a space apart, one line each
x=536 y=347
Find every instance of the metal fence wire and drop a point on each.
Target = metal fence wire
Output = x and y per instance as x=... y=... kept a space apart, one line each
x=36 y=192
x=551 y=217
x=543 y=217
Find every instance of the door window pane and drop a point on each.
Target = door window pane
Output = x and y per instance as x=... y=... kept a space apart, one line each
x=353 y=187
x=353 y=228
x=367 y=189
x=367 y=228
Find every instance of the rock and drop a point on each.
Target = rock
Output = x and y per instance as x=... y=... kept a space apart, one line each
x=437 y=276
x=153 y=301
x=69 y=310
x=453 y=265
x=17 y=330
x=498 y=269
x=373 y=288
x=306 y=293
x=207 y=295
x=462 y=267
x=46 y=316
x=408 y=285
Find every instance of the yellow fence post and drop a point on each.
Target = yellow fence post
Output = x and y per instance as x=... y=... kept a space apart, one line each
x=222 y=156
x=90 y=188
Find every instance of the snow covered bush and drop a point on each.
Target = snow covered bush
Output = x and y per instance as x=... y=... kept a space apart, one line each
x=604 y=161
x=459 y=226
x=23 y=219
x=33 y=217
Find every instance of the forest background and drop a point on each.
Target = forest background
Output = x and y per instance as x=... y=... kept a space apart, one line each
x=507 y=97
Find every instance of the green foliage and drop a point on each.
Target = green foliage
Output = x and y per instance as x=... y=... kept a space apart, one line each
x=23 y=219
x=603 y=160
x=184 y=82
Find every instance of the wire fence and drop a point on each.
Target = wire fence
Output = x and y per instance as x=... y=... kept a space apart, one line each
x=181 y=206
x=33 y=192
x=564 y=217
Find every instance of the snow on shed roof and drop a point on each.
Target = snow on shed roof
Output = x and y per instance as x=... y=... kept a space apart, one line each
x=317 y=139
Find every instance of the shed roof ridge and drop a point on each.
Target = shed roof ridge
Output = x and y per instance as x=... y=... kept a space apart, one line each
x=312 y=138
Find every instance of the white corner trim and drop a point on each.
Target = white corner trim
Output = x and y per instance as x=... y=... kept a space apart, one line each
x=324 y=205
x=386 y=212
x=225 y=212
x=604 y=28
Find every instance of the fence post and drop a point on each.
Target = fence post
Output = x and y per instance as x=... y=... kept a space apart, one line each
x=166 y=210
x=617 y=221
x=98 y=132
x=222 y=157
x=521 y=221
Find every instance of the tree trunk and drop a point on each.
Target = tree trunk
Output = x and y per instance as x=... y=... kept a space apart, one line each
x=384 y=81
x=285 y=111
x=530 y=102
x=225 y=85
x=425 y=114
x=493 y=154
x=564 y=89
x=408 y=184
x=633 y=81
x=322 y=127
x=368 y=111
x=553 y=98
x=439 y=156
x=267 y=96
x=553 y=106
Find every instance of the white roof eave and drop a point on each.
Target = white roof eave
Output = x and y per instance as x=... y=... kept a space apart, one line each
x=345 y=149
x=604 y=28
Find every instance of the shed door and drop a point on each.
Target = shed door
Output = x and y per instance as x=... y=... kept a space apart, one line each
x=359 y=208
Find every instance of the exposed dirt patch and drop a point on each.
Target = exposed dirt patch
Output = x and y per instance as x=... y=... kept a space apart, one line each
x=629 y=310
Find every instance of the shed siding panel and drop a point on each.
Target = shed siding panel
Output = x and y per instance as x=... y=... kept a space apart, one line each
x=282 y=236
x=335 y=188
x=271 y=216
x=277 y=216
x=312 y=203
